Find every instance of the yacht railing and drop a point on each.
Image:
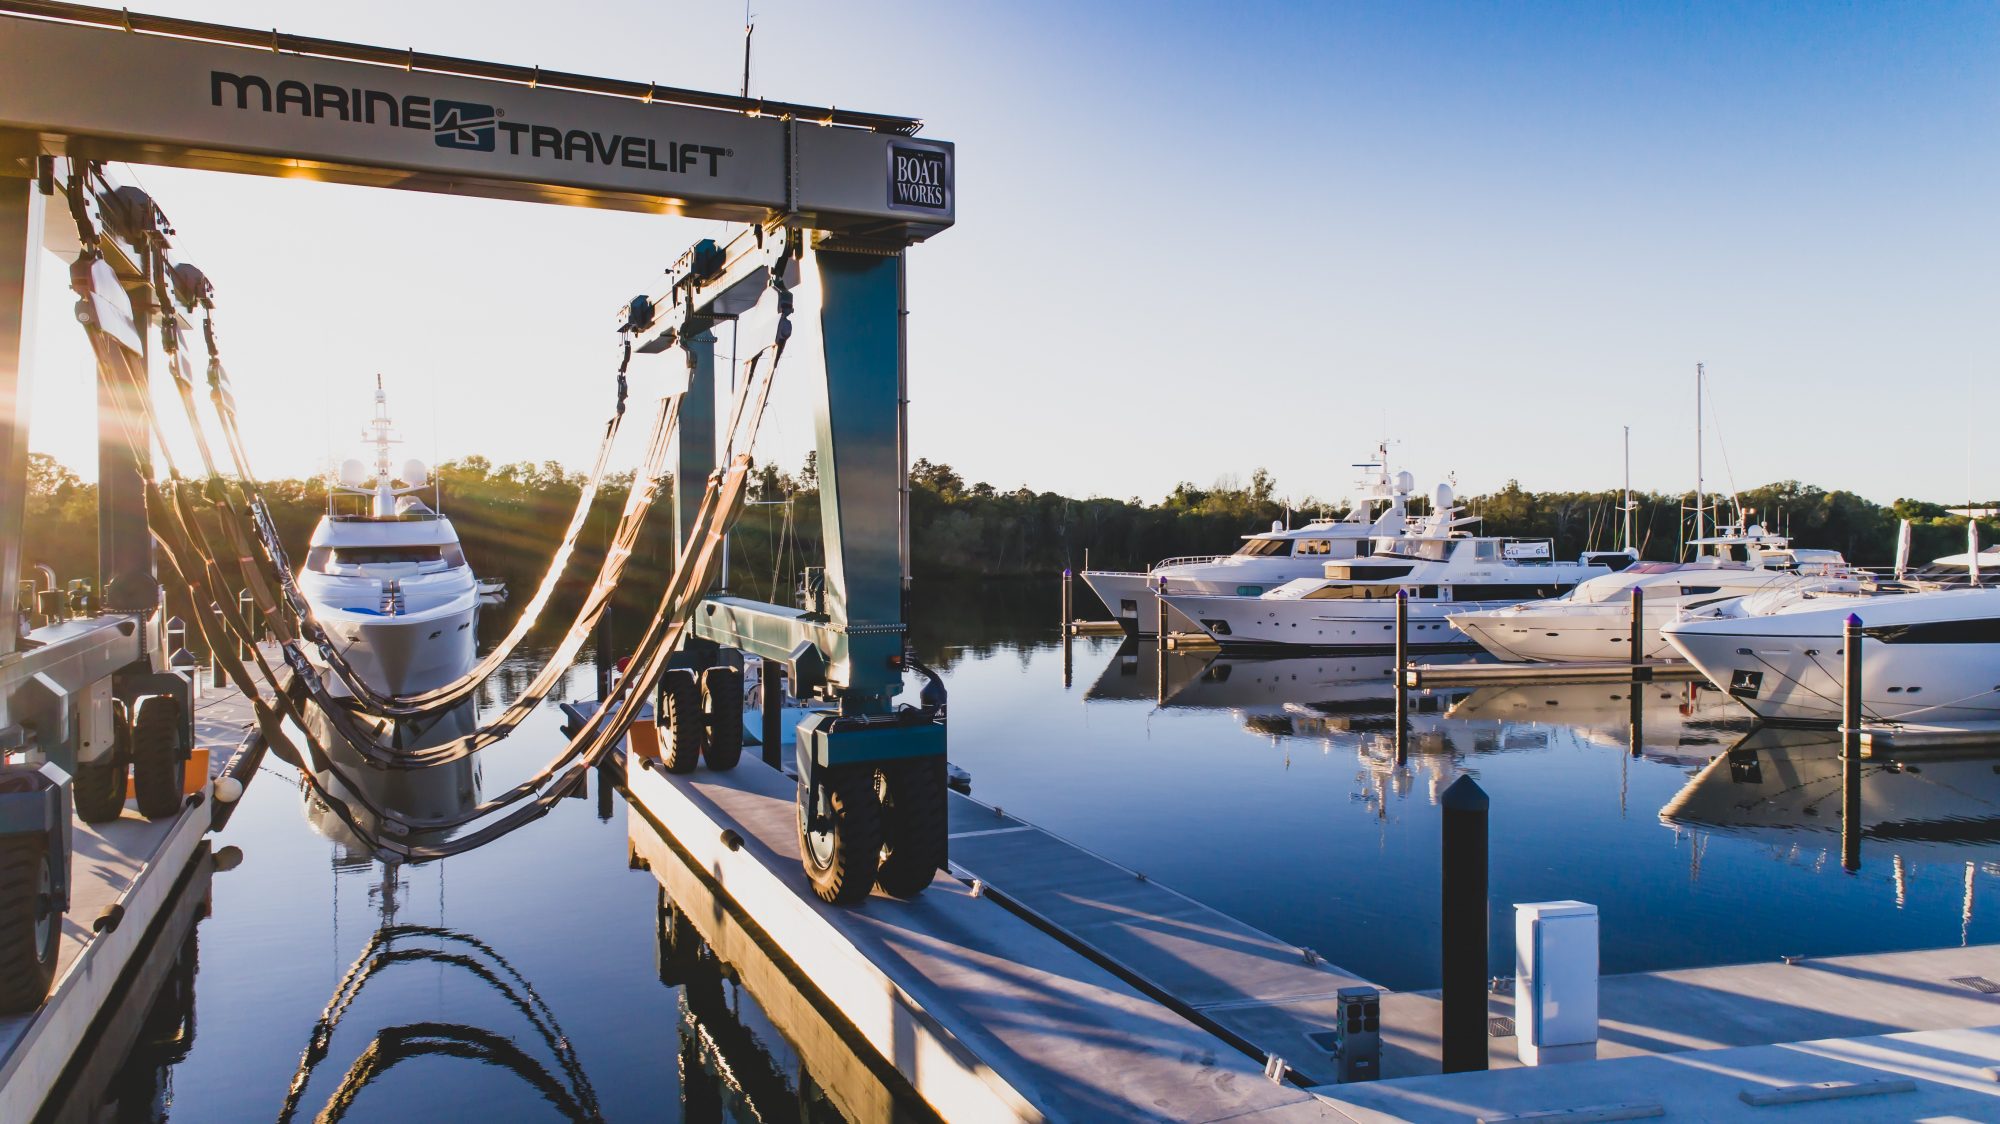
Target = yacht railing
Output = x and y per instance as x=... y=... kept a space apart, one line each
x=1186 y=560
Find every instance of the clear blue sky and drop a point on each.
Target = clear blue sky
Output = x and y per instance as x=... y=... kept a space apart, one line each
x=1199 y=238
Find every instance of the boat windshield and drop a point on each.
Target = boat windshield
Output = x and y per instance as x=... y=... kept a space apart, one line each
x=1258 y=548
x=1434 y=550
x=322 y=559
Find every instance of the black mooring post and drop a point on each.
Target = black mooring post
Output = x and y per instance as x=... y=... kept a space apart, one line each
x=772 y=734
x=1465 y=807
x=1850 y=745
x=1636 y=728
x=1639 y=670
x=1402 y=677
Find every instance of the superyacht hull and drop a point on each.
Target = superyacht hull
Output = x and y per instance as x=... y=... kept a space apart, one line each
x=406 y=653
x=1367 y=624
x=1930 y=658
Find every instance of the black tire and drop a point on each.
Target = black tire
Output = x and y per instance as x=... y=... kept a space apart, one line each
x=722 y=704
x=915 y=830
x=99 y=789
x=30 y=927
x=841 y=861
x=682 y=726
x=157 y=762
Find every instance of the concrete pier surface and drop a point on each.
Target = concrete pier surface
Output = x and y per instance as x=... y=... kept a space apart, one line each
x=130 y=863
x=1070 y=987
x=984 y=1015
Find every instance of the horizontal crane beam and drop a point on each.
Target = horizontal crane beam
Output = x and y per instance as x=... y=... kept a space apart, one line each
x=99 y=83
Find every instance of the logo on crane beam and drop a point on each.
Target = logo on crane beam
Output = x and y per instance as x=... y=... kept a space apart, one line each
x=462 y=125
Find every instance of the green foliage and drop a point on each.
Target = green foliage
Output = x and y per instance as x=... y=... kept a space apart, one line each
x=510 y=517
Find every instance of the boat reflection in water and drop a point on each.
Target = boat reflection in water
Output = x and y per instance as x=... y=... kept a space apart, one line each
x=434 y=794
x=1784 y=786
x=1144 y=671
x=1673 y=723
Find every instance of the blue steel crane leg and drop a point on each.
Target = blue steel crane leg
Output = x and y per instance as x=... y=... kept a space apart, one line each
x=855 y=651
x=696 y=456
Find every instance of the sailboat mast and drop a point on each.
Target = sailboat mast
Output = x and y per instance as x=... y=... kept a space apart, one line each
x=1628 y=487
x=1700 y=484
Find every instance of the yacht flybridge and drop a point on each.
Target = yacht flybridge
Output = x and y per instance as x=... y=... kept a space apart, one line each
x=1352 y=603
x=1267 y=559
x=390 y=583
x=1594 y=620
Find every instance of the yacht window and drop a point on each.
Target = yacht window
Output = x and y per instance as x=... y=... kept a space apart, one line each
x=1485 y=550
x=453 y=555
x=318 y=557
x=1694 y=590
x=388 y=555
x=1315 y=546
x=1259 y=548
x=1350 y=592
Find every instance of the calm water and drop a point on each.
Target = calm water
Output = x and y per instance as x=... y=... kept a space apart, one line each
x=524 y=981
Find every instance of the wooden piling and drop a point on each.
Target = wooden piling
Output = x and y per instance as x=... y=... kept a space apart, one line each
x=1402 y=670
x=1850 y=745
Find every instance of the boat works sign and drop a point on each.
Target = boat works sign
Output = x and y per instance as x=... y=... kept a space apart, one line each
x=920 y=177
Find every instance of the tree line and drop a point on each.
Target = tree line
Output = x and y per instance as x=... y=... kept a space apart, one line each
x=511 y=515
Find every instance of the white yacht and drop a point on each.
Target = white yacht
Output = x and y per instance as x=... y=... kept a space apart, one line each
x=1266 y=560
x=390 y=583
x=1352 y=604
x=1930 y=655
x=1593 y=622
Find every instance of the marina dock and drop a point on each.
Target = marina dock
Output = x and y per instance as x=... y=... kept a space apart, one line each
x=1037 y=943
x=1495 y=674
x=126 y=876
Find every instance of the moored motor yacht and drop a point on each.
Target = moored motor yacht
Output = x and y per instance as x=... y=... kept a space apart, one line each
x=1593 y=622
x=1352 y=604
x=1267 y=559
x=390 y=584
x=1929 y=655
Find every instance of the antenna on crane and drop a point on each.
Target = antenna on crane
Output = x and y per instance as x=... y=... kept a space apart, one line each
x=749 y=29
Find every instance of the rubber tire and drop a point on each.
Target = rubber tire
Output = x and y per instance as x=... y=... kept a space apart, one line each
x=722 y=703
x=158 y=769
x=27 y=961
x=99 y=789
x=856 y=840
x=916 y=831
x=682 y=727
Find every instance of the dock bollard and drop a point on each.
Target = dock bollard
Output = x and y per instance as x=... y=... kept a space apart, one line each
x=1465 y=806
x=1402 y=677
x=1639 y=668
x=1850 y=745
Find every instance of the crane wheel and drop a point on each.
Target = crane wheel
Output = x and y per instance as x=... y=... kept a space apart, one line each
x=915 y=830
x=683 y=728
x=30 y=926
x=722 y=703
x=841 y=859
x=157 y=769
x=99 y=787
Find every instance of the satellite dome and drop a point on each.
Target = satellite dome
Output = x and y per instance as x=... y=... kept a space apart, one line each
x=414 y=472
x=353 y=473
x=1405 y=483
x=1444 y=497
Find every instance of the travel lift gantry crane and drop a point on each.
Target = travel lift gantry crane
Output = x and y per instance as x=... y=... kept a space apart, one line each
x=855 y=189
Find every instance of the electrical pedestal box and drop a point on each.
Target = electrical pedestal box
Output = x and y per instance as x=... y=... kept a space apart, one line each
x=1358 y=1035
x=1555 y=982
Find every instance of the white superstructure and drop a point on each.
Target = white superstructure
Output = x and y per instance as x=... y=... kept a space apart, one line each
x=1352 y=603
x=1594 y=620
x=391 y=585
x=1267 y=559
